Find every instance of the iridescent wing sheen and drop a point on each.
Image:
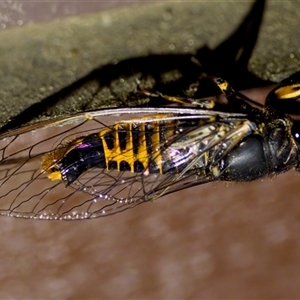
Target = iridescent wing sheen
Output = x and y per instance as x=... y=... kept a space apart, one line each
x=27 y=192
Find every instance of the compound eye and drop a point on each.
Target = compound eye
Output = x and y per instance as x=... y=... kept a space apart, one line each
x=296 y=131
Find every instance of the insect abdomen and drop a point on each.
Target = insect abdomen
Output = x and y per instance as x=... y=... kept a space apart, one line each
x=83 y=154
x=132 y=147
x=123 y=147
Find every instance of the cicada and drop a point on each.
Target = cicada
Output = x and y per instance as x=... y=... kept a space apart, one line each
x=103 y=162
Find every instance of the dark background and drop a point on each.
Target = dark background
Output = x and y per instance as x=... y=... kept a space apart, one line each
x=213 y=241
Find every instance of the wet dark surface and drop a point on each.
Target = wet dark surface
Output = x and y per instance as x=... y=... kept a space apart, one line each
x=214 y=241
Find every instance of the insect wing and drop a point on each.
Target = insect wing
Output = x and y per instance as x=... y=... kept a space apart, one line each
x=26 y=191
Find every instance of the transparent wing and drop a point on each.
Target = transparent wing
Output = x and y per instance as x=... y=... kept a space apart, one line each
x=26 y=191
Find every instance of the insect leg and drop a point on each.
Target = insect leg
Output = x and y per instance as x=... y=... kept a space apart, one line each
x=237 y=100
x=205 y=103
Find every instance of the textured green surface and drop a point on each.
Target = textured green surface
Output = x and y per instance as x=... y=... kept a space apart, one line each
x=39 y=60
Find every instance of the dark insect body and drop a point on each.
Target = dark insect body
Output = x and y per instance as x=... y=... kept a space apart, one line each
x=107 y=161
